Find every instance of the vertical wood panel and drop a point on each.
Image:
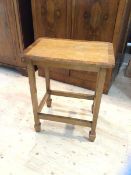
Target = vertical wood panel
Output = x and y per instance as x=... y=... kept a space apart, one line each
x=52 y=18
x=95 y=20
x=124 y=11
x=6 y=43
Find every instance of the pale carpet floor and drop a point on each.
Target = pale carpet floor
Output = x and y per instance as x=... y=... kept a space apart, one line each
x=62 y=149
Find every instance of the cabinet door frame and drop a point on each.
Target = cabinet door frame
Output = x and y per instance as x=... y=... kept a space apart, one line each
x=12 y=55
x=121 y=24
x=18 y=25
x=19 y=44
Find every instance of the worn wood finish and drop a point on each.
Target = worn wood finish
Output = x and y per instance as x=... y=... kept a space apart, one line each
x=66 y=65
x=71 y=94
x=33 y=90
x=73 y=52
x=97 y=101
x=12 y=32
x=67 y=120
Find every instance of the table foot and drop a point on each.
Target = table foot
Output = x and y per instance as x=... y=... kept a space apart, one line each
x=37 y=127
x=49 y=102
x=92 y=136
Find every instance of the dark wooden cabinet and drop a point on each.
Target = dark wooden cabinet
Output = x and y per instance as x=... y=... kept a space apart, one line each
x=102 y=20
x=94 y=20
x=52 y=18
x=7 y=43
x=13 y=33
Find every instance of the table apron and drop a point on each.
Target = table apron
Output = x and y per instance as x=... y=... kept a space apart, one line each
x=84 y=67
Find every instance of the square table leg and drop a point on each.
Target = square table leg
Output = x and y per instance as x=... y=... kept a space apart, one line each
x=47 y=79
x=97 y=101
x=33 y=91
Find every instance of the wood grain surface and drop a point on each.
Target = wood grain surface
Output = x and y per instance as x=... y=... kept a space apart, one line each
x=73 y=52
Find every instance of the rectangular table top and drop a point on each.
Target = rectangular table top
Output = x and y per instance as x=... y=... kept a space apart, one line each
x=92 y=53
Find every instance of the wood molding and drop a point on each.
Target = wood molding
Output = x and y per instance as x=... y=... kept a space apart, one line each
x=122 y=15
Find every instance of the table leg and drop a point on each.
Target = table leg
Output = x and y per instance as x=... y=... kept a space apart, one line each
x=95 y=90
x=33 y=91
x=97 y=101
x=47 y=78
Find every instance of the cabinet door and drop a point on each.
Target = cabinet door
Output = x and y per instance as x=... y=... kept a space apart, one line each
x=7 y=50
x=51 y=18
x=94 y=19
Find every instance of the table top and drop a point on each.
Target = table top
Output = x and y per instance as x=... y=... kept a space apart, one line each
x=93 y=53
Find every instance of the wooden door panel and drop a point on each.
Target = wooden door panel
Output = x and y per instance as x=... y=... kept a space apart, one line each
x=94 y=19
x=58 y=72
x=6 y=44
x=83 y=75
x=51 y=18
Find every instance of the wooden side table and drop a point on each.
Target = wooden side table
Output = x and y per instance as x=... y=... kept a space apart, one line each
x=68 y=54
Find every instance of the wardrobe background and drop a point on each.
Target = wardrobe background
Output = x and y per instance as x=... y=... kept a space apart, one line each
x=103 y=20
x=16 y=32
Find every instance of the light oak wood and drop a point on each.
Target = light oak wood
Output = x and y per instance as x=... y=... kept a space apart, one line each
x=65 y=65
x=67 y=120
x=33 y=91
x=45 y=51
x=47 y=79
x=43 y=101
x=71 y=94
x=72 y=52
x=97 y=101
